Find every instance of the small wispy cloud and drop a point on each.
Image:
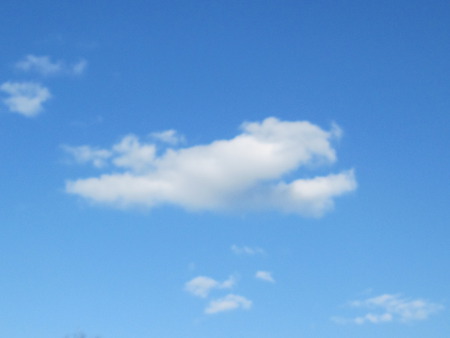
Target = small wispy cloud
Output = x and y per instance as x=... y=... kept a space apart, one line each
x=201 y=286
x=79 y=67
x=86 y=154
x=129 y=153
x=170 y=136
x=389 y=308
x=80 y=335
x=43 y=65
x=246 y=250
x=265 y=276
x=25 y=98
x=228 y=303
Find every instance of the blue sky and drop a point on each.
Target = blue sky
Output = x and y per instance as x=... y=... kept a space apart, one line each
x=224 y=169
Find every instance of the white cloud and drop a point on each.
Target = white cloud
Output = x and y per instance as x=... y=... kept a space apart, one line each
x=391 y=308
x=312 y=196
x=246 y=250
x=45 y=66
x=40 y=64
x=374 y=318
x=129 y=153
x=201 y=286
x=25 y=98
x=245 y=172
x=168 y=136
x=133 y=155
x=86 y=154
x=265 y=275
x=228 y=303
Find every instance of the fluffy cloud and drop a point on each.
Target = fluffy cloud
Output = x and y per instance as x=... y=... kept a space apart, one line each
x=43 y=65
x=390 y=308
x=246 y=250
x=228 y=303
x=25 y=98
x=265 y=276
x=201 y=286
x=132 y=155
x=245 y=172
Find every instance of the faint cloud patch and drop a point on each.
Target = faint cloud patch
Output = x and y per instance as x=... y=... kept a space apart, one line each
x=170 y=136
x=86 y=154
x=45 y=66
x=80 y=334
x=228 y=303
x=390 y=308
x=246 y=250
x=129 y=153
x=265 y=276
x=201 y=286
x=89 y=123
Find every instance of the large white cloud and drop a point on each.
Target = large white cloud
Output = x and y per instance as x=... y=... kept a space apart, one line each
x=388 y=308
x=25 y=98
x=245 y=172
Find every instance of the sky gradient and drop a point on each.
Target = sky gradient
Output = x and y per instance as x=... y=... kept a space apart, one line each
x=224 y=169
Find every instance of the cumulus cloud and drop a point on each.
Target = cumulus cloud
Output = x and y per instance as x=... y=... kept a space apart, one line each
x=43 y=65
x=245 y=172
x=228 y=303
x=201 y=286
x=265 y=276
x=25 y=98
x=246 y=250
x=132 y=155
x=390 y=307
